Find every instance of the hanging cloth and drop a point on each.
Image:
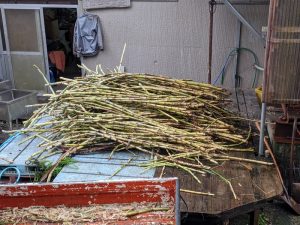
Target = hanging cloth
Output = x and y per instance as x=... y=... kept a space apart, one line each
x=58 y=58
x=87 y=36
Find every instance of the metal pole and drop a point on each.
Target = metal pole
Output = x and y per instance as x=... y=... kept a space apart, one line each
x=262 y=129
x=292 y=153
x=177 y=203
x=243 y=20
x=245 y=2
x=6 y=38
x=238 y=45
x=212 y=4
x=264 y=86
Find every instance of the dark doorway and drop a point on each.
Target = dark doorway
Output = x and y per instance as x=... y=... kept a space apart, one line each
x=59 y=27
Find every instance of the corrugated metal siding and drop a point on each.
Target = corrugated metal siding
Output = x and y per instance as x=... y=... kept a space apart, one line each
x=171 y=38
x=282 y=66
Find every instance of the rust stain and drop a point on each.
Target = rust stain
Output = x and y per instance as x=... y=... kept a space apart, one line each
x=80 y=194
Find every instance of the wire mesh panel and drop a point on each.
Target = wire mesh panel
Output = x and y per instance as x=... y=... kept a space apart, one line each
x=282 y=67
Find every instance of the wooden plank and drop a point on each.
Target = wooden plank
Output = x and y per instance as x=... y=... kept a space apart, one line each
x=285 y=40
x=254 y=217
x=287 y=29
x=252 y=184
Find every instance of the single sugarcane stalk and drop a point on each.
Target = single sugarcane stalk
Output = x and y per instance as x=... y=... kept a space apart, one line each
x=243 y=160
x=7 y=160
x=196 y=192
x=134 y=213
x=122 y=167
x=45 y=79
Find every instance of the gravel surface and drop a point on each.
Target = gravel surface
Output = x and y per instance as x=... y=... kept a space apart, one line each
x=3 y=136
x=4 y=126
x=275 y=213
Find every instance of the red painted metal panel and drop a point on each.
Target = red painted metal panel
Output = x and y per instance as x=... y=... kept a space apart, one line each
x=83 y=194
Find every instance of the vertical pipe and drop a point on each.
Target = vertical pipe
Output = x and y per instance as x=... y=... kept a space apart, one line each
x=177 y=203
x=8 y=53
x=80 y=12
x=237 y=59
x=212 y=4
x=3 y=74
x=292 y=153
x=264 y=86
x=238 y=45
x=236 y=70
x=262 y=129
x=267 y=51
x=44 y=43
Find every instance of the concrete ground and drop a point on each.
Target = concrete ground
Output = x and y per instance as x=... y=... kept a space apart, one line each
x=274 y=213
x=4 y=126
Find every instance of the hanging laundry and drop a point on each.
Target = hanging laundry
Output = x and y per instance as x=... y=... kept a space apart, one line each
x=87 y=36
x=58 y=58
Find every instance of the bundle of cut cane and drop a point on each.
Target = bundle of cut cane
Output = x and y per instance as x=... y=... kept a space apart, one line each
x=106 y=214
x=182 y=123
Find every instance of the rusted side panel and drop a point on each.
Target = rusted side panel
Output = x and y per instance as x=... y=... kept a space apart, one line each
x=82 y=194
x=161 y=191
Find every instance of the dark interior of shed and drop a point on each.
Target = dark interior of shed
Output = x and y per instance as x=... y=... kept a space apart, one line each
x=59 y=28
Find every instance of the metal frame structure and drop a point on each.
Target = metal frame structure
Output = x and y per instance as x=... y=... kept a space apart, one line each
x=7 y=50
x=247 y=24
x=244 y=2
x=242 y=19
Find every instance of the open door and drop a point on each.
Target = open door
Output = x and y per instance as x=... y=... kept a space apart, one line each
x=24 y=45
x=4 y=64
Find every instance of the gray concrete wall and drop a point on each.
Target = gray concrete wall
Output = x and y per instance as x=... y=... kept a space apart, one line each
x=171 y=38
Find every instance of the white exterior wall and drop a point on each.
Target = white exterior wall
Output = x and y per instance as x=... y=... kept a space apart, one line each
x=171 y=38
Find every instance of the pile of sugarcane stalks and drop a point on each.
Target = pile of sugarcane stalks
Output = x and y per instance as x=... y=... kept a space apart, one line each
x=106 y=214
x=182 y=123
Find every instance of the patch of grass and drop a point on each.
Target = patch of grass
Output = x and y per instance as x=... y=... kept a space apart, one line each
x=45 y=165
x=263 y=219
